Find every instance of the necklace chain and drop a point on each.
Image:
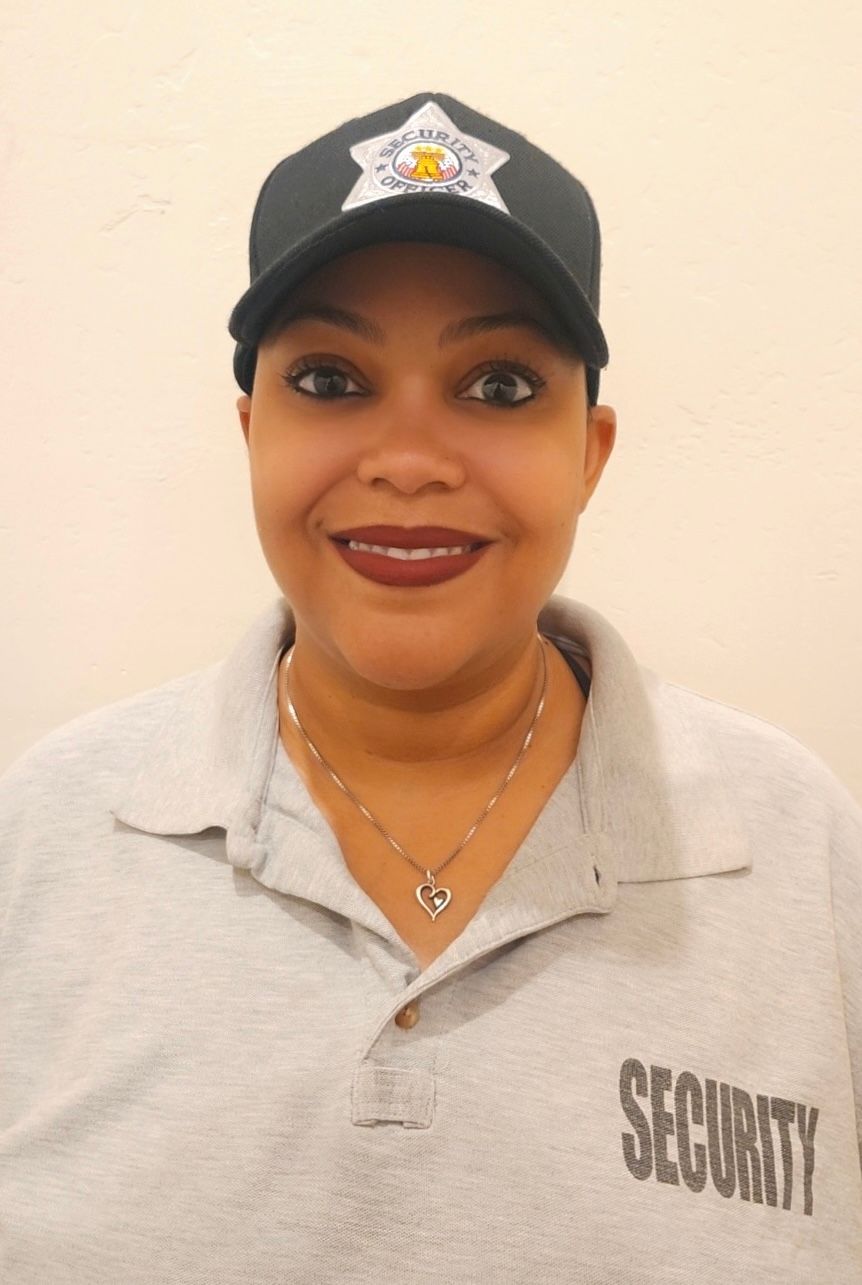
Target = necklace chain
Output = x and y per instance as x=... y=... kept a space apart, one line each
x=437 y=894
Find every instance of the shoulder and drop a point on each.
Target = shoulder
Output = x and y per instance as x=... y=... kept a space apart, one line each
x=91 y=752
x=766 y=764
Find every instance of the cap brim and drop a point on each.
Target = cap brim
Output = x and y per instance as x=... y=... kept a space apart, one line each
x=434 y=218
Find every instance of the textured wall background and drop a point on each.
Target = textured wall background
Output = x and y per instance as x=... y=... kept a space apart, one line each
x=721 y=145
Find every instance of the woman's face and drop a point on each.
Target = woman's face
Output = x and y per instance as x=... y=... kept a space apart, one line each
x=414 y=427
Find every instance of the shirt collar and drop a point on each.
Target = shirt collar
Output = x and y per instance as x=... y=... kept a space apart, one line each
x=653 y=780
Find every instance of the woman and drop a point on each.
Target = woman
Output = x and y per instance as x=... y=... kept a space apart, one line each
x=427 y=936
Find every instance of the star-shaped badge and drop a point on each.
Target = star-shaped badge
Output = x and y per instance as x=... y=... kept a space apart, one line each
x=427 y=154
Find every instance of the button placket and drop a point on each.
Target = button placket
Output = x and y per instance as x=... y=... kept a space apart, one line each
x=398 y=1085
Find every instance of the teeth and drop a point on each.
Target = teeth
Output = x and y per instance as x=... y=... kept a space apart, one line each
x=408 y=555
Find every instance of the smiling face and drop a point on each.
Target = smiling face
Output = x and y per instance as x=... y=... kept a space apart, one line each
x=405 y=419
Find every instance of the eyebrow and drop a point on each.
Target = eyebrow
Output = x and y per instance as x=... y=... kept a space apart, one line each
x=369 y=330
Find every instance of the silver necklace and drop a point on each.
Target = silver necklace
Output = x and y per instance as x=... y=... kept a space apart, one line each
x=439 y=898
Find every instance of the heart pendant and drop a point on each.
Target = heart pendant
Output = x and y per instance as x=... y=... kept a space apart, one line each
x=440 y=897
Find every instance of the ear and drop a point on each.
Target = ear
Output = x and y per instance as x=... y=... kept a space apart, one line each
x=243 y=405
x=601 y=435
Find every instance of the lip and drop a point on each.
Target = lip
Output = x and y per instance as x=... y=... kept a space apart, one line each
x=406 y=573
x=410 y=537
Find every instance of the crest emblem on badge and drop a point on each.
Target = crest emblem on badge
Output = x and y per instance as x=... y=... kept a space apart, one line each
x=427 y=154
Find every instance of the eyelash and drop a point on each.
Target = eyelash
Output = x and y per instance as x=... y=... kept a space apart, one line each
x=307 y=364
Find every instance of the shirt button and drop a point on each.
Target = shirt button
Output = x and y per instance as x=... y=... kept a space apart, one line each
x=408 y=1016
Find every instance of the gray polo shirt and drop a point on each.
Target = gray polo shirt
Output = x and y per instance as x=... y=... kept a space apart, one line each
x=636 y=1064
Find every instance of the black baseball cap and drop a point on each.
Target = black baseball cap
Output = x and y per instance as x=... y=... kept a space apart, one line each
x=427 y=168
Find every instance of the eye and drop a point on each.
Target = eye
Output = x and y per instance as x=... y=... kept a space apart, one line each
x=327 y=381
x=500 y=380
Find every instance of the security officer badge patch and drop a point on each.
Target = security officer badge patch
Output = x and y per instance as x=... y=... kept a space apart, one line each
x=428 y=154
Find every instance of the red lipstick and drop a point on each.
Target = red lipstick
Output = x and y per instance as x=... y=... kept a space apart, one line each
x=409 y=571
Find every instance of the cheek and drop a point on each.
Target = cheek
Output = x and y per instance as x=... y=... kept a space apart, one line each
x=288 y=482
x=543 y=496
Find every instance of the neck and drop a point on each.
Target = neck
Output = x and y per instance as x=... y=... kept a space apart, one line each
x=470 y=726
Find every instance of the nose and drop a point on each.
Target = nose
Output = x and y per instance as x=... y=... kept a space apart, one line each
x=409 y=448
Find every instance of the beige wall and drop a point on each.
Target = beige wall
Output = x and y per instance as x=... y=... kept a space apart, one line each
x=721 y=144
